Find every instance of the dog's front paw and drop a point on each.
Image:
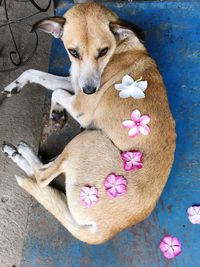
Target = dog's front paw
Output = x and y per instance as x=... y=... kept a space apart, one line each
x=58 y=116
x=58 y=119
x=13 y=88
x=56 y=122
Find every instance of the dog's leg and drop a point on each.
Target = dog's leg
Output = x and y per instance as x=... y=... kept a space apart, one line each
x=48 y=172
x=47 y=80
x=56 y=203
x=63 y=99
x=27 y=160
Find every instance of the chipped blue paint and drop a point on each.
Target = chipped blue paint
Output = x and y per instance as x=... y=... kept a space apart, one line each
x=173 y=40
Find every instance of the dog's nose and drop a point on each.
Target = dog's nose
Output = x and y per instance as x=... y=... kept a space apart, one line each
x=89 y=90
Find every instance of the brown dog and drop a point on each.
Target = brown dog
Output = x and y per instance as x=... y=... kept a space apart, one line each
x=102 y=50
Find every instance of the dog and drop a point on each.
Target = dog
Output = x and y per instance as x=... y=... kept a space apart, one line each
x=102 y=49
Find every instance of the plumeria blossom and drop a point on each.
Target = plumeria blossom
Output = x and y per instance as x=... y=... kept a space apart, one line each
x=115 y=185
x=132 y=88
x=89 y=195
x=170 y=246
x=194 y=214
x=132 y=160
x=138 y=124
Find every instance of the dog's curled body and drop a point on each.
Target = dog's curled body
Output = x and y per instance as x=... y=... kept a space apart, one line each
x=144 y=186
x=95 y=153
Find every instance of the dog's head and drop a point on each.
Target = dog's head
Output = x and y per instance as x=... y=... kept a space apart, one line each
x=90 y=33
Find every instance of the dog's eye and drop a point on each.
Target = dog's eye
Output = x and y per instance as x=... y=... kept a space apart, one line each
x=74 y=53
x=102 y=52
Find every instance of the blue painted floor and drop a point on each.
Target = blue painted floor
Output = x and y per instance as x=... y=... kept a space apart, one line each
x=173 y=40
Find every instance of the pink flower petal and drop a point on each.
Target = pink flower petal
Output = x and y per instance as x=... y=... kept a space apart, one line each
x=93 y=198
x=163 y=246
x=83 y=198
x=93 y=190
x=134 y=131
x=126 y=156
x=194 y=214
x=111 y=178
x=137 y=166
x=121 y=189
x=128 y=166
x=144 y=129
x=128 y=124
x=167 y=239
x=145 y=119
x=169 y=254
x=107 y=184
x=197 y=209
x=192 y=211
x=195 y=219
x=175 y=242
x=177 y=250
x=87 y=202
x=137 y=156
x=121 y=181
x=135 y=115
x=112 y=192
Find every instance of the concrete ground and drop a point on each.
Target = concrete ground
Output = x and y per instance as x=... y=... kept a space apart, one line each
x=21 y=117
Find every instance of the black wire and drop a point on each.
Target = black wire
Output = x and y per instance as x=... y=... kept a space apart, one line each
x=31 y=55
x=9 y=23
x=16 y=52
x=17 y=20
x=39 y=8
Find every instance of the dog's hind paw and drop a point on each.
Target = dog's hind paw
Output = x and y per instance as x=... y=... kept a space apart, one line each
x=8 y=149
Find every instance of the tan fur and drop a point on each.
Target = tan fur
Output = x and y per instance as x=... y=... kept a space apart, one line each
x=93 y=154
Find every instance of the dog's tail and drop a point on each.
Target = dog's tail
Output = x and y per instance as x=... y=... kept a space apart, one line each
x=56 y=203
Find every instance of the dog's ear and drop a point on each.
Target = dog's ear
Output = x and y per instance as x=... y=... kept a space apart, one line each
x=53 y=25
x=123 y=29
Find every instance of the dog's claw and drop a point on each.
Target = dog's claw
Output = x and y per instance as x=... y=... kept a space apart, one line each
x=57 y=115
x=24 y=144
x=8 y=149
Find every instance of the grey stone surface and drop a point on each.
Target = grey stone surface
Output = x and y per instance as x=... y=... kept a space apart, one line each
x=20 y=119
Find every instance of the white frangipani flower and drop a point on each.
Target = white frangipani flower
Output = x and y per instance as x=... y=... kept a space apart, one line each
x=132 y=88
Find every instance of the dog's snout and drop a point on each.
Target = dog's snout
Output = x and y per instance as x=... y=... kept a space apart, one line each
x=89 y=90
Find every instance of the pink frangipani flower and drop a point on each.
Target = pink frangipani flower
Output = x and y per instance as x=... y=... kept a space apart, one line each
x=194 y=214
x=89 y=195
x=170 y=247
x=132 y=160
x=115 y=185
x=138 y=124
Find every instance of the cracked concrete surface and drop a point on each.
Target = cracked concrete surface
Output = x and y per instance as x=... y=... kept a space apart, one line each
x=21 y=117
